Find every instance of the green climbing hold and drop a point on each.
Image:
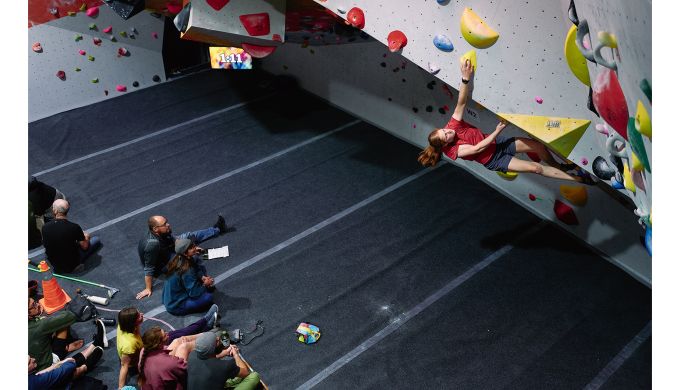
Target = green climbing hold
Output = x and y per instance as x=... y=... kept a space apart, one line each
x=78 y=37
x=95 y=81
x=83 y=7
x=113 y=39
x=646 y=89
x=71 y=13
x=90 y=58
x=638 y=146
x=77 y=69
x=92 y=26
x=122 y=34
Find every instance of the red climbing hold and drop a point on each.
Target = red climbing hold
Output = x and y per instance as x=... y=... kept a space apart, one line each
x=565 y=213
x=121 y=88
x=534 y=157
x=122 y=51
x=154 y=35
x=532 y=197
x=92 y=12
x=97 y=41
x=217 y=4
x=396 y=40
x=355 y=17
x=37 y=47
x=257 y=51
x=61 y=74
x=256 y=24
x=108 y=30
x=609 y=101
x=277 y=38
x=173 y=8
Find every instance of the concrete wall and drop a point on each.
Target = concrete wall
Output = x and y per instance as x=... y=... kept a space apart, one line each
x=395 y=92
x=49 y=95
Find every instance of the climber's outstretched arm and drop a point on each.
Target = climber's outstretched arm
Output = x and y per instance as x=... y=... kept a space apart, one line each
x=465 y=90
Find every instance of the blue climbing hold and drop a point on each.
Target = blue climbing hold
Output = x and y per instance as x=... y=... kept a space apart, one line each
x=617 y=185
x=648 y=239
x=443 y=43
x=442 y=2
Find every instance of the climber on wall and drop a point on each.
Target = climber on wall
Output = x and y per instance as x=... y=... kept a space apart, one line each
x=497 y=153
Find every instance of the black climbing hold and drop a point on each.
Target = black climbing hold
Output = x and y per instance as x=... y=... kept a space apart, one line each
x=156 y=15
x=442 y=111
x=403 y=80
x=602 y=169
x=156 y=78
x=431 y=85
x=428 y=108
x=572 y=13
x=415 y=109
x=363 y=35
x=390 y=99
x=383 y=64
x=135 y=84
x=617 y=162
x=395 y=70
x=591 y=105
x=646 y=89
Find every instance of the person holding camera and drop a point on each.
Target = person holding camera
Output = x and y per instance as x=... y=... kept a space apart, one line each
x=214 y=364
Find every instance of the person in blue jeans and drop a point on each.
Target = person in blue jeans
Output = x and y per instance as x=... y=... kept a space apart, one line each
x=186 y=287
x=157 y=247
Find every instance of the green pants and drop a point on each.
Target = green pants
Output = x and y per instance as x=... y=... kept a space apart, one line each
x=248 y=383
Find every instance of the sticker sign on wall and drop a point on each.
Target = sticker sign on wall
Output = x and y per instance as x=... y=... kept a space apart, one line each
x=472 y=114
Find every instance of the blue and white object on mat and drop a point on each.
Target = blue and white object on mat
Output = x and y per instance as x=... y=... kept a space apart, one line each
x=307 y=333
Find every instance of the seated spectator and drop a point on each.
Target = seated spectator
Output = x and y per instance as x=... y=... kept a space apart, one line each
x=59 y=375
x=51 y=334
x=212 y=366
x=66 y=245
x=42 y=196
x=186 y=288
x=129 y=342
x=157 y=247
x=34 y=236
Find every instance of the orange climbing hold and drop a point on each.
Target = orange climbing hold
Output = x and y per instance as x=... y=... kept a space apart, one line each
x=577 y=195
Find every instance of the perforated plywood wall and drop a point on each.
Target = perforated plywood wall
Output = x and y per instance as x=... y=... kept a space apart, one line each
x=141 y=36
x=396 y=92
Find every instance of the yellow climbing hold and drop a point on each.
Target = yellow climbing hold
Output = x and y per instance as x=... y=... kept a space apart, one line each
x=577 y=195
x=628 y=179
x=635 y=162
x=643 y=124
x=475 y=31
x=510 y=176
x=560 y=134
x=576 y=61
x=608 y=39
x=472 y=56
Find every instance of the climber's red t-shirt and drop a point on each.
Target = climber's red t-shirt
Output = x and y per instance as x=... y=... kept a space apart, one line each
x=466 y=134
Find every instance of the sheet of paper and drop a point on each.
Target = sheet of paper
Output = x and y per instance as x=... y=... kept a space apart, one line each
x=216 y=253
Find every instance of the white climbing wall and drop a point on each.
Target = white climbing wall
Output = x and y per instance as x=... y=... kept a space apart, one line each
x=50 y=95
x=395 y=92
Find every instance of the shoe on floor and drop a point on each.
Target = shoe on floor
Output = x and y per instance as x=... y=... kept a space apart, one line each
x=211 y=316
x=94 y=357
x=221 y=224
x=100 y=339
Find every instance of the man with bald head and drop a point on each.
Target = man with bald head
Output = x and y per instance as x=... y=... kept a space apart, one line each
x=66 y=245
x=158 y=247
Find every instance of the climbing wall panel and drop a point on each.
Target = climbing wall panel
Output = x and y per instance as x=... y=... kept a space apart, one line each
x=397 y=92
x=96 y=62
x=257 y=22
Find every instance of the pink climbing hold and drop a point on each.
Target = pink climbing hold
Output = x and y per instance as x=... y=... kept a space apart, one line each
x=154 y=35
x=257 y=51
x=37 y=47
x=602 y=129
x=217 y=4
x=81 y=52
x=121 y=88
x=565 y=213
x=92 y=12
x=97 y=41
x=396 y=40
x=61 y=74
x=539 y=100
x=356 y=18
x=584 y=161
x=108 y=30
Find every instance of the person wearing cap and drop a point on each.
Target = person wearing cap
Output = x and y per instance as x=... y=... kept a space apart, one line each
x=186 y=287
x=212 y=365
x=157 y=247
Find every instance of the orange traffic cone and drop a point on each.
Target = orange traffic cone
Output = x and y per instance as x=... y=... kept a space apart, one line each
x=54 y=297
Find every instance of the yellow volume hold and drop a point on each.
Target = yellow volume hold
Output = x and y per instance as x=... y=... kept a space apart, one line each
x=475 y=31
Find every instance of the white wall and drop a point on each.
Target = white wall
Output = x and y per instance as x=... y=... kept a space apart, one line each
x=353 y=78
x=48 y=95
